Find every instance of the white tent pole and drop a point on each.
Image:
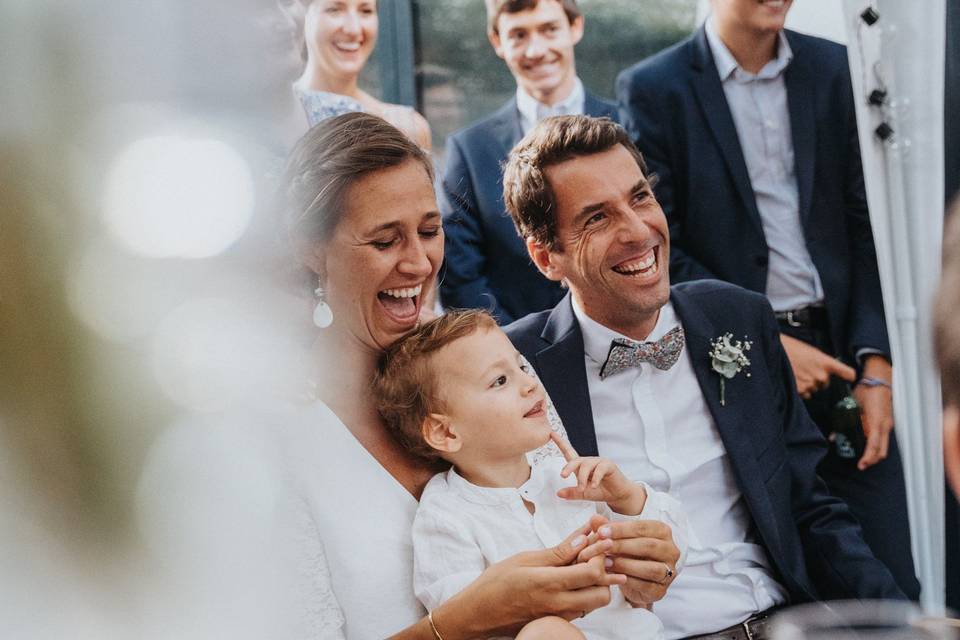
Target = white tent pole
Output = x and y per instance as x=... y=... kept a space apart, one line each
x=903 y=53
x=907 y=378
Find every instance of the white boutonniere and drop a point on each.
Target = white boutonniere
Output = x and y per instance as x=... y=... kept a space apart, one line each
x=728 y=359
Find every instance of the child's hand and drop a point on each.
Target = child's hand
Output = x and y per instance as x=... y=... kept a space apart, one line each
x=600 y=480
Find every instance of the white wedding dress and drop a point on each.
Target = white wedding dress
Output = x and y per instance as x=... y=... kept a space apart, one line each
x=283 y=520
x=363 y=516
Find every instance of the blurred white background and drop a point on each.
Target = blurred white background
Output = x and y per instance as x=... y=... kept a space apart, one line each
x=141 y=325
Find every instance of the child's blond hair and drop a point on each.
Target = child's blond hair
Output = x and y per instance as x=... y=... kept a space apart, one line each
x=406 y=386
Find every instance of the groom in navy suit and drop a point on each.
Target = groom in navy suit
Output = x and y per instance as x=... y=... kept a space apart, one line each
x=687 y=388
x=751 y=131
x=486 y=263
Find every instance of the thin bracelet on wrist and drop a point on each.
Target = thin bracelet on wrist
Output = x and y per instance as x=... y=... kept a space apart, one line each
x=433 y=627
x=870 y=381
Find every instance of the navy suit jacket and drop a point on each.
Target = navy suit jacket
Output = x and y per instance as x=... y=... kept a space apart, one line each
x=675 y=109
x=812 y=540
x=487 y=265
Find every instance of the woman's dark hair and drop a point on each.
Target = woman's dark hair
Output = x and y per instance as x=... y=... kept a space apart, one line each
x=327 y=161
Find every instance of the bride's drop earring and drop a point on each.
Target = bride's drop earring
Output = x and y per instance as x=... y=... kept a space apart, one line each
x=322 y=313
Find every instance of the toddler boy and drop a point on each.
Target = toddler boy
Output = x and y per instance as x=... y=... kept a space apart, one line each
x=456 y=392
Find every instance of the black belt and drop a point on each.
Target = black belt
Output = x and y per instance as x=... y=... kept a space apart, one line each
x=756 y=627
x=806 y=317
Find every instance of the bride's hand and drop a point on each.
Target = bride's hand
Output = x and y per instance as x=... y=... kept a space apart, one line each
x=645 y=552
x=531 y=585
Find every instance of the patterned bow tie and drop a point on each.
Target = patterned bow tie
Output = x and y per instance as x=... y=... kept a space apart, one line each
x=662 y=354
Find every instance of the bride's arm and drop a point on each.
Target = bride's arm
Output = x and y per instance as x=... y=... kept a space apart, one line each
x=519 y=589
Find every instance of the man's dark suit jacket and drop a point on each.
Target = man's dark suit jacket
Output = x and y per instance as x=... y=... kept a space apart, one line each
x=812 y=540
x=675 y=109
x=486 y=264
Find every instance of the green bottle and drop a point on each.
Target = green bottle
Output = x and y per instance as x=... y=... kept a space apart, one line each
x=847 y=434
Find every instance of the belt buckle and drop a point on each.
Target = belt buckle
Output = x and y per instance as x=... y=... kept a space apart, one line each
x=792 y=323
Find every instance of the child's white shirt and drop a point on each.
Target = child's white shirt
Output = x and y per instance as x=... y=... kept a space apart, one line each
x=460 y=529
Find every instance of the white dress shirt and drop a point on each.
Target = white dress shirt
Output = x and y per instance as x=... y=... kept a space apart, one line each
x=461 y=528
x=656 y=426
x=758 y=104
x=532 y=111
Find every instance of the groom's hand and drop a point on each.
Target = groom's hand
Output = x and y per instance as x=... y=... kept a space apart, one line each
x=642 y=550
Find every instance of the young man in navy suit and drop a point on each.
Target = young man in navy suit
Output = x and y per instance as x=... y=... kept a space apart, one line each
x=486 y=263
x=751 y=131
x=687 y=388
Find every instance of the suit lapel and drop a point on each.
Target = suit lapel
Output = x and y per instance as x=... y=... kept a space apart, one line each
x=800 y=82
x=731 y=418
x=506 y=130
x=713 y=105
x=561 y=367
x=700 y=331
x=593 y=106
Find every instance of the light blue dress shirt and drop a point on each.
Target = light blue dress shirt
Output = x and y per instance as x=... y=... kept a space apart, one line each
x=532 y=111
x=758 y=104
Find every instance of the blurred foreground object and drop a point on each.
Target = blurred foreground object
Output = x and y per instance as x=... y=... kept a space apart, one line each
x=136 y=301
x=862 y=620
x=947 y=344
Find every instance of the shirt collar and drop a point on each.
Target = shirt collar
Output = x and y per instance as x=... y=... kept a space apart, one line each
x=597 y=338
x=489 y=496
x=532 y=111
x=727 y=65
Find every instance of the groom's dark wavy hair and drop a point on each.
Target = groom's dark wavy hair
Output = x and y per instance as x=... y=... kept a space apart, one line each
x=527 y=192
x=406 y=387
